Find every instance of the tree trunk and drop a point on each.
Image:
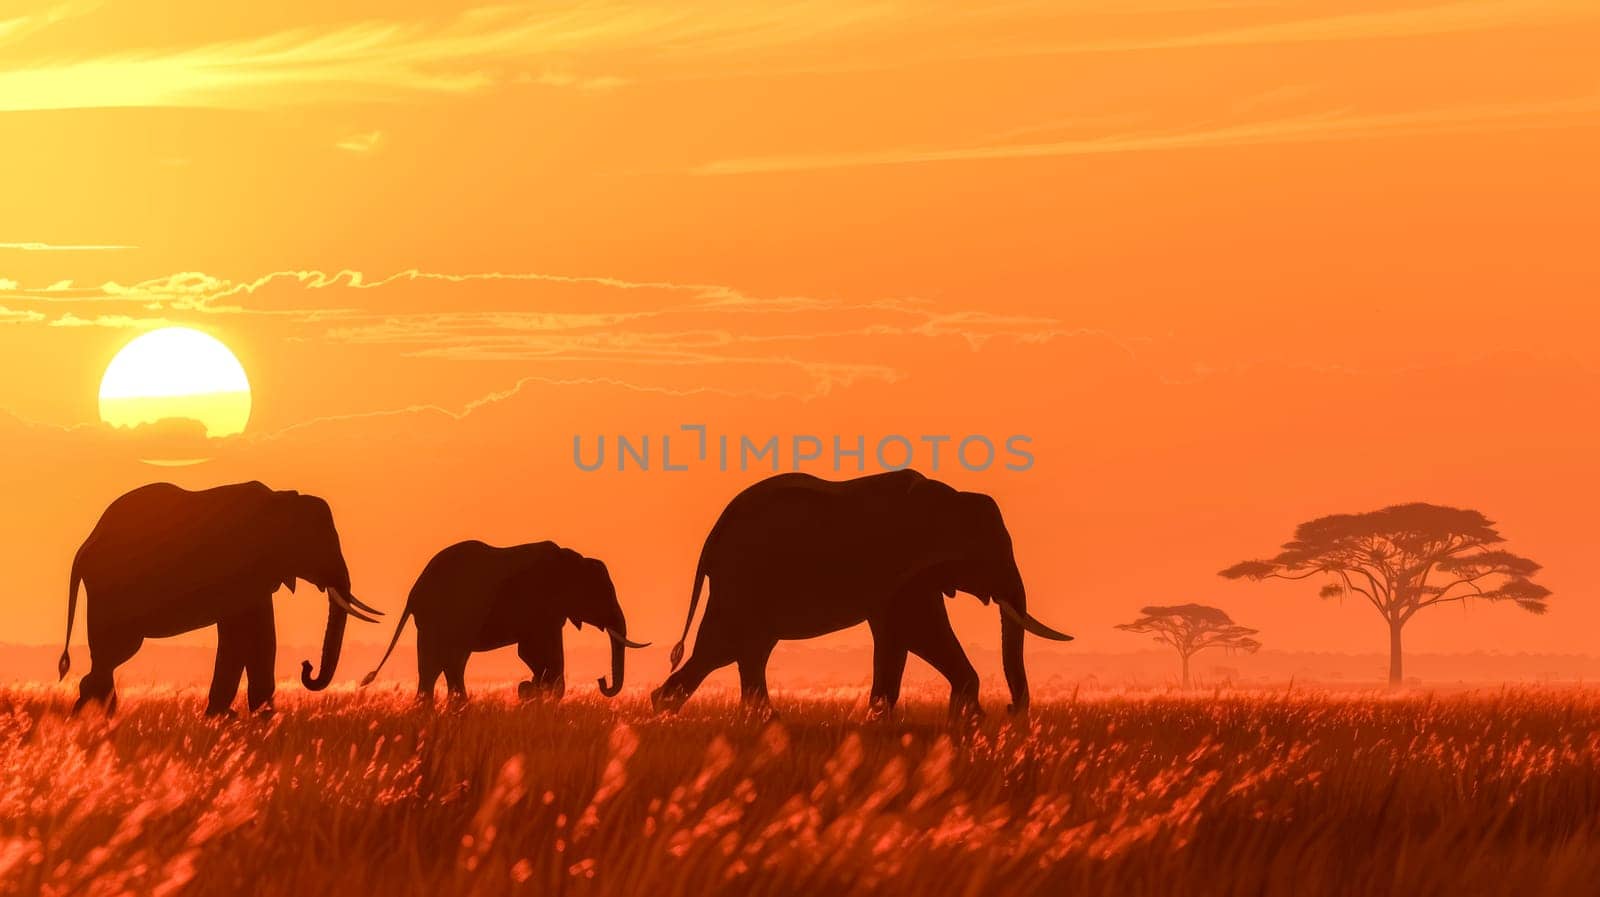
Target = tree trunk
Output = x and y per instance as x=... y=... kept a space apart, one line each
x=1185 y=671
x=1396 y=672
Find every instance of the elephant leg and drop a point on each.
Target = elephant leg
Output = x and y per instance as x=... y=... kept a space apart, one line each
x=429 y=665
x=455 y=677
x=929 y=636
x=888 y=667
x=753 y=677
x=715 y=646
x=260 y=657
x=107 y=651
x=544 y=654
x=681 y=684
x=233 y=648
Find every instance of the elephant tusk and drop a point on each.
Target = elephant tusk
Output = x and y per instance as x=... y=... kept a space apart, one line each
x=617 y=636
x=1028 y=623
x=338 y=598
x=360 y=605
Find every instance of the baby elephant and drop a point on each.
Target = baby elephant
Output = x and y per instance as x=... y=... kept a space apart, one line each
x=477 y=597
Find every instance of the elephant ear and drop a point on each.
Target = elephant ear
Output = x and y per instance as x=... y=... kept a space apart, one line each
x=595 y=572
x=946 y=517
x=589 y=579
x=935 y=505
x=574 y=569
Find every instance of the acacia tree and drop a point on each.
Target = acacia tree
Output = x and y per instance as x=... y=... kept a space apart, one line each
x=1191 y=628
x=1403 y=559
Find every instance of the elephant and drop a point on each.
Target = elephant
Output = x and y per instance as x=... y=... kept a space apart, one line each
x=164 y=560
x=795 y=556
x=478 y=597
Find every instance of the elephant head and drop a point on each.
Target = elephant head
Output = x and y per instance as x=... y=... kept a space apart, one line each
x=308 y=548
x=969 y=550
x=588 y=596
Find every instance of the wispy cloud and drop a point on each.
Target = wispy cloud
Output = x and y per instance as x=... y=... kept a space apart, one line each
x=603 y=45
x=24 y=316
x=1443 y=18
x=64 y=247
x=1336 y=125
x=115 y=322
x=473 y=51
x=580 y=326
x=18 y=27
x=364 y=142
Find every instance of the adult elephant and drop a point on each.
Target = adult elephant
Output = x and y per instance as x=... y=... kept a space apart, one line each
x=478 y=597
x=795 y=557
x=164 y=560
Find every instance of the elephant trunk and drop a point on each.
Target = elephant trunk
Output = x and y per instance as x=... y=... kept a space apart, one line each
x=1011 y=633
x=617 y=649
x=332 y=641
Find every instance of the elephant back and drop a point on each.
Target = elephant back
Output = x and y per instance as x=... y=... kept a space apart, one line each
x=162 y=545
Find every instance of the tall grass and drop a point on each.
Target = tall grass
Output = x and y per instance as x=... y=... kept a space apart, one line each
x=363 y=793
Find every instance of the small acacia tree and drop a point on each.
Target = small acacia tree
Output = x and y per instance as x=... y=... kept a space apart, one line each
x=1402 y=559
x=1191 y=628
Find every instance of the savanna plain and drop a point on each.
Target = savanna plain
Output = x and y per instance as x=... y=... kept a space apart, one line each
x=362 y=792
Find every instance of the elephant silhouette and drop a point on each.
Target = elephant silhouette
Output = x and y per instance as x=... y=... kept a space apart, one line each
x=478 y=597
x=794 y=557
x=163 y=560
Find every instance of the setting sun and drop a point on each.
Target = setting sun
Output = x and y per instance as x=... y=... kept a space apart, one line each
x=176 y=372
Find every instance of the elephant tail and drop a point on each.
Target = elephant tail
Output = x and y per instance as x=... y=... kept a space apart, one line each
x=72 y=611
x=399 y=627
x=694 y=602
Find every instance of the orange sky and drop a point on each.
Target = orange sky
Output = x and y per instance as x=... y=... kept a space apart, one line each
x=1230 y=265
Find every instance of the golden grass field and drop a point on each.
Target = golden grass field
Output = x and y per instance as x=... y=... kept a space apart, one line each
x=363 y=793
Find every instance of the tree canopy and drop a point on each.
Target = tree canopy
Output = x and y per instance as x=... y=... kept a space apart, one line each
x=1190 y=628
x=1402 y=559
